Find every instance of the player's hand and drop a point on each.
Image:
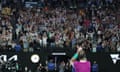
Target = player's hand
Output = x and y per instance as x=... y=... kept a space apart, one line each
x=79 y=49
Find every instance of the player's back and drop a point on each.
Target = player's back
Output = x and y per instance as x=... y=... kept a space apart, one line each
x=82 y=66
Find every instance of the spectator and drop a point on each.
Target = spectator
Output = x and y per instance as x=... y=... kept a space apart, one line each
x=40 y=68
x=44 y=40
x=18 y=47
x=62 y=67
x=99 y=48
x=95 y=67
x=51 y=66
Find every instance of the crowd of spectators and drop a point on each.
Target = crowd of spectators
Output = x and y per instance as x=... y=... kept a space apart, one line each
x=51 y=26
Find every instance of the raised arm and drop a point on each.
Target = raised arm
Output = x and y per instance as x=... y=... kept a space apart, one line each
x=75 y=56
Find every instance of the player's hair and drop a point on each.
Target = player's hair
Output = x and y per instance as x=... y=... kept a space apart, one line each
x=82 y=55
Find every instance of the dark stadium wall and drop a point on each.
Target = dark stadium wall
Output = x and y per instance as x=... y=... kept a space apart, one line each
x=103 y=59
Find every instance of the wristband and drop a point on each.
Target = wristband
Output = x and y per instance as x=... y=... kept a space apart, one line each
x=75 y=56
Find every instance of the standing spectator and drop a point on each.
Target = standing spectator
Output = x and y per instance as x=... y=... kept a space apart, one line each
x=95 y=67
x=18 y=47
x=67 y=67
x=99 y=47
x=44 y=40
x=62 y=66
x=51 y=66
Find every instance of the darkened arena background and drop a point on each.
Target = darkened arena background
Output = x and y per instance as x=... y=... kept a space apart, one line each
x=104 y=60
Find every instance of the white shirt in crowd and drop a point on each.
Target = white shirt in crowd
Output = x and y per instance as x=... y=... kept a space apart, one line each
x=118 y=47
x=44 y=40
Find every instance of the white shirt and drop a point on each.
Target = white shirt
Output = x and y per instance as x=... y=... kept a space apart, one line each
x=44 y=39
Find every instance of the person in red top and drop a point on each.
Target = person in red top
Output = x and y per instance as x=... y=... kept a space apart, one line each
x=83 y=65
